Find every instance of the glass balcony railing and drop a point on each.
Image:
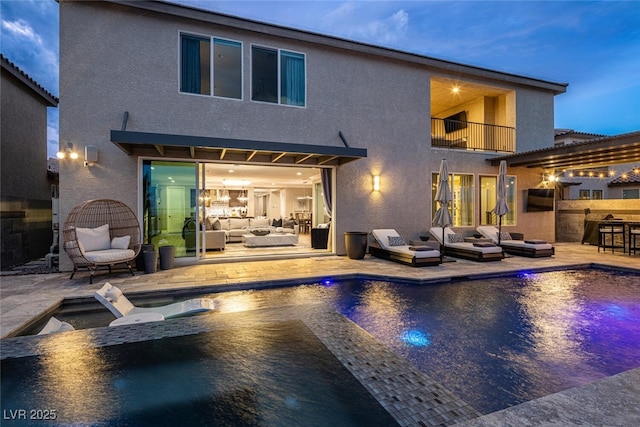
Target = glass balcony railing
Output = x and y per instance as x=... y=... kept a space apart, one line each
x=461 y=135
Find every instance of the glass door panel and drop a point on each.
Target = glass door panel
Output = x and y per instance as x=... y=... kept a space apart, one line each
x=169 y=205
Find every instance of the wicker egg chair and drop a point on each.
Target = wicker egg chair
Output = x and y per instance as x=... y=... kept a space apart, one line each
x=91 y=214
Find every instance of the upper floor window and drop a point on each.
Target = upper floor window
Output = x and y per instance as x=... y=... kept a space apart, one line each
x=203 y=60
x=278 y=76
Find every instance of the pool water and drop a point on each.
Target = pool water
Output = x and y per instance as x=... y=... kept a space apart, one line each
x=497 y=342
x=278 y=374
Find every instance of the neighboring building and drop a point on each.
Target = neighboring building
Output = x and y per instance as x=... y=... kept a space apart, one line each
x=619 y=181
x=25 y=194
x=167 y=96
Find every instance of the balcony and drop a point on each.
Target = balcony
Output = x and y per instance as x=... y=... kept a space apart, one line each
x=463 y=135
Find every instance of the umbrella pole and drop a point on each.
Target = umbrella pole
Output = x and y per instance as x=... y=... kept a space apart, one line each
x=499 y=228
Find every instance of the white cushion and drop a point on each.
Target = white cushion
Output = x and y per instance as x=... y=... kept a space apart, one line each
x=260 y=222
x=382 y=236
x=113 y=294
x=94 y=239
x=120 y=242
x=109 y=255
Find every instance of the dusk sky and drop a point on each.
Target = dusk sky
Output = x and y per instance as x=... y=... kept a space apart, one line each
x=593 y=46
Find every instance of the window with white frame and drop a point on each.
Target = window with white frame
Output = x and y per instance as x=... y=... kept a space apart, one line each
x=205 y=59
x=278 y=76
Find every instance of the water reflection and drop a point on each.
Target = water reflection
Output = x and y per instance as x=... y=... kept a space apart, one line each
x=496 y=342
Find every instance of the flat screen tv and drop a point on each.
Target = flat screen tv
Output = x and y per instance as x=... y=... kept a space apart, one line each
x=540 y=199
x=456 y=122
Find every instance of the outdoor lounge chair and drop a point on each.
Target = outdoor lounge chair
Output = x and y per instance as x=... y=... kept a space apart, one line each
x=528 y=248
x=410 y=255
x=54 y=325
x=456 y=246
x=111 y=297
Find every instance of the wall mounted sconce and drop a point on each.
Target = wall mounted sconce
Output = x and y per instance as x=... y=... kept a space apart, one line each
x=67 y=152
x=90 y=155
x=376 y=182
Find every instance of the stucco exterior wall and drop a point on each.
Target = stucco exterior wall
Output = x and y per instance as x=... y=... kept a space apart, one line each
x=24 y=142
x=25 y=194
x=380 y=105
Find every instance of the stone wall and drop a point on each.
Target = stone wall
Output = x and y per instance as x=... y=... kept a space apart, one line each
x=570 y=215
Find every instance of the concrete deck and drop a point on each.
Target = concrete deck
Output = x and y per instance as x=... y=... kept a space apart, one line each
x=614 y=401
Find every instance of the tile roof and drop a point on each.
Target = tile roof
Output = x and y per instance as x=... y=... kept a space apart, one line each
x=27 y=80
x=626 y=178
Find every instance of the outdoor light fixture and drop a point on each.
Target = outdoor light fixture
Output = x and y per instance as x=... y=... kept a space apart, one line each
x=90 y=155
x=67 y=152
x=376 y=182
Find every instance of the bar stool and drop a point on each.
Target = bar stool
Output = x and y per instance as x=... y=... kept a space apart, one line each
x=634 y=236
x=612 y=230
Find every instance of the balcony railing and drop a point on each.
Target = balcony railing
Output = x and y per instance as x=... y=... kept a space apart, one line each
x=461 y=135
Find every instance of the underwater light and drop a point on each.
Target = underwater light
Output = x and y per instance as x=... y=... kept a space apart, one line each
x=416 y=338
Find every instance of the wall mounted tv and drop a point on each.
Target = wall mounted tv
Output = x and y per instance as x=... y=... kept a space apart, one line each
x=540 y=199
x=456 y=122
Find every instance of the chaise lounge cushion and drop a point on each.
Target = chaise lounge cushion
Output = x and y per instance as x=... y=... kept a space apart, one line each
x=384 y=237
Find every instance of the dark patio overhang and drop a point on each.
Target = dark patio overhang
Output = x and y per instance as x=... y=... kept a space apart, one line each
x=233 y=150
x=599 y=152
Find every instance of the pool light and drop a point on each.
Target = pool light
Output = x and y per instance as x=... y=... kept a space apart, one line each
x=416 y=338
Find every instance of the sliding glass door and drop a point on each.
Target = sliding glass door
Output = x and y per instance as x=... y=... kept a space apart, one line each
x=169 y=205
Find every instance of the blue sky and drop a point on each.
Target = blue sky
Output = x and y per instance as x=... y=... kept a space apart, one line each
x=593 y=46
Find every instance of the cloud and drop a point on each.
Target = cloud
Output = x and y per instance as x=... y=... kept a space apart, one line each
x=361 y=21
x=21 y=28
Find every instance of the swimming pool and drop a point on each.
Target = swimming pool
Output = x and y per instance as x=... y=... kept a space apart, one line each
x=495 y=343
x=272 y=374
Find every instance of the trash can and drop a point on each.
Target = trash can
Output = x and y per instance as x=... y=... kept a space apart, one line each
x=356 y=243
x=140 y=257
x=150 y=261
x=167 y=257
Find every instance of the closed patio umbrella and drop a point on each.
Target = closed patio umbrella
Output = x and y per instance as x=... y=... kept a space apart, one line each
x=501 y=200
x=442 y=218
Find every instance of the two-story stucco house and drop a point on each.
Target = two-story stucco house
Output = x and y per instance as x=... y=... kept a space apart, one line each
x=202 y=116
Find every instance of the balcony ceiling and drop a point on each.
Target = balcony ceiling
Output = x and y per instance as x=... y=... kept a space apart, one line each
x=444 y=99
x=599 y=152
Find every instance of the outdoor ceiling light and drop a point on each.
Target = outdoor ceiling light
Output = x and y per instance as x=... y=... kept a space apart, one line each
x=68 y=152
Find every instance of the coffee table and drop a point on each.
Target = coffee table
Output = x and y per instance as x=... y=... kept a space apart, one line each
x=272 y=239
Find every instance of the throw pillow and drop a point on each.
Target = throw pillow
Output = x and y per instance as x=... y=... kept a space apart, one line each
x=505 y=236
x=120 y=242
x=455 y=238
x=113 y=294
x=277 y=222
x=94 y=239
x=288 y=223
x=396 y=241
x=216 y=224
x=208 y=223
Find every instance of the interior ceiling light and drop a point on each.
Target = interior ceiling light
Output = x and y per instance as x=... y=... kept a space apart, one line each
x=455 y=89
